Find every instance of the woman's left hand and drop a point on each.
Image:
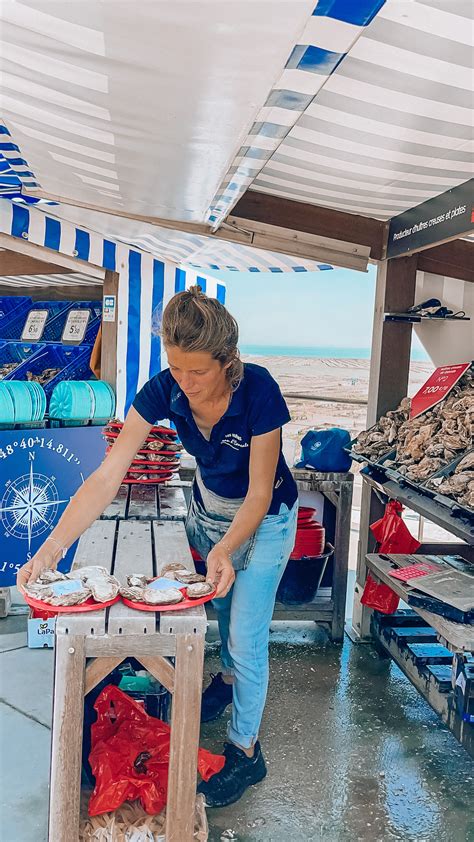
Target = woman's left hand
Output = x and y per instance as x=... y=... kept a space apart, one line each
x=220 y=571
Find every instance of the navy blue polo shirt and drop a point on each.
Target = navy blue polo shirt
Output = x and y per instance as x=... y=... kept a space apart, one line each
x=256 y=407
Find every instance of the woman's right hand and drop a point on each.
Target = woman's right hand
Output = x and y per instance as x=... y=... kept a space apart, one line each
x=44 y=559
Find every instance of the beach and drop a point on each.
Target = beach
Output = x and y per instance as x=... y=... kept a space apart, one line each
x=332 y=382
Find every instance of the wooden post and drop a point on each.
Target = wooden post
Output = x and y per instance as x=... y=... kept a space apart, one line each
x=341 y=559
x=185 y=722
x=66 y=741
x=108 y=364
x=388 y=384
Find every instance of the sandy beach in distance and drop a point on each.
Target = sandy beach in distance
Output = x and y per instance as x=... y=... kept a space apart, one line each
x=336 y=379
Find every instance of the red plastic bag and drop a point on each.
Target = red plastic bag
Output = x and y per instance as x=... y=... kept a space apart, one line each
x=391 y=533
x=379 y=596
x=130 y=755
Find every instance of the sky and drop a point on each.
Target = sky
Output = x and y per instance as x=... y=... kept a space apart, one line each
x=329 y=308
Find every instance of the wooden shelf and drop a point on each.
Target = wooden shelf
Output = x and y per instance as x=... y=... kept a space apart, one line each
x=415 y=318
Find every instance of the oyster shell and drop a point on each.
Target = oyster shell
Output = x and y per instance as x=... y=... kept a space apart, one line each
x=134 y=594
x=138 y=580
x=50 y=576
x=154 y=596
x=187 y=577
x=199 y=589
x=103 y=591
x=172 y=565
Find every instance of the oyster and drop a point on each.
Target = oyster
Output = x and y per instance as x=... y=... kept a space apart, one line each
x=188 y=577
x=138 y=580
x=50 y=576
x=172 y=565
x=134 y=594
x=199 y=589
x=466 y=463
x=66 y=599
x=102 y=590
x=154 y=596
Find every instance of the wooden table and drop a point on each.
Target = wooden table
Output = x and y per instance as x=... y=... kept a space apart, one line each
x=89 y=646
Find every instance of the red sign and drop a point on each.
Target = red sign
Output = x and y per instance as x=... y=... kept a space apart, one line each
x=436 y=388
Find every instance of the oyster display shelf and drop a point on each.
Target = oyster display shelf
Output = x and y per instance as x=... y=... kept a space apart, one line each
x=454 y=518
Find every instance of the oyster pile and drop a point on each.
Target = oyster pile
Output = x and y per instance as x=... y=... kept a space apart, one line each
x=460 y=485
x=7 y=368
x=427 y=443
x=95 y=582
x=43 y=376
x=158 y=457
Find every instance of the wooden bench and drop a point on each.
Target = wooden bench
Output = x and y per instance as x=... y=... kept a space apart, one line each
x=90 y=646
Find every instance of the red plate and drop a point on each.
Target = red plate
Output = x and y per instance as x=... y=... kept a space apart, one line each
x=178 y=606
x=89 y=605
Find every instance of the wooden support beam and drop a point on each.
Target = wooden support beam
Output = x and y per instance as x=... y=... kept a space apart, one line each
x=12 y=263
x=454 y=260
x=74 y=292
x=302 y=216
x=161 y=669
x=108 y=360
x=97 y=670
x=388 y=384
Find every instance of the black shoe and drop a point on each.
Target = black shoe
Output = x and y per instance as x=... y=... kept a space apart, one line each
x=216 y=697
x=239 y=772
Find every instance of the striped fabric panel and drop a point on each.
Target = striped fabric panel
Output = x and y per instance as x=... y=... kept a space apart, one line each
x=392 y=127
x=331 y=31
x=73 y=279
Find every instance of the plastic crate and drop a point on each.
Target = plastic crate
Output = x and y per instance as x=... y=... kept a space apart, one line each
x=72 y=360
x=17 y=352
x=12 y=306
x=54 y=327
x=14 y=328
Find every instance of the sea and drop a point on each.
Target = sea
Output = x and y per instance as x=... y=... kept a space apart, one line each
x=322 y=352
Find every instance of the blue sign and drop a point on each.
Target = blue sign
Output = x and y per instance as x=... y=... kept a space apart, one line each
x=40 y=470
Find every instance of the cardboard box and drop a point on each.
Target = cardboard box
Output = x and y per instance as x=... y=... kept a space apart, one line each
x=41 y=633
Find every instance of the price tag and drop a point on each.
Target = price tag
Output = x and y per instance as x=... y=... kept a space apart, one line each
x=66 y=586
x=162 y=584
x=436 y=388
x=75 y=327
x=34 y=325
x=108 y=310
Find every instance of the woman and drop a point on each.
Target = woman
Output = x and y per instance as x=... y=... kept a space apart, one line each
x=242 y=517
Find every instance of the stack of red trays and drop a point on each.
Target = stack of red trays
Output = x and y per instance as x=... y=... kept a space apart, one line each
x=156 y=461
x=310 y=535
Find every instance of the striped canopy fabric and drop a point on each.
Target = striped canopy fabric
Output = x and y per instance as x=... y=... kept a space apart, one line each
x=372 y=114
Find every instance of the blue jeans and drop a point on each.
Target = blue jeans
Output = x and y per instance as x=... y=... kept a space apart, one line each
x=244 y=618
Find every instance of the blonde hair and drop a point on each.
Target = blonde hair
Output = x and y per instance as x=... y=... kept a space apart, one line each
x=194 y=322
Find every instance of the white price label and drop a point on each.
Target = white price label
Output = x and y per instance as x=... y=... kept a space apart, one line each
x=76 y=326
x=34 y=325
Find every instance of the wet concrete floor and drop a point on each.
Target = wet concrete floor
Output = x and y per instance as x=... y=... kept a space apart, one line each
x=353 y=753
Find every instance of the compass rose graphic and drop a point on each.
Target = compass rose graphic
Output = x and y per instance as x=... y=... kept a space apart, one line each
x=29 y=505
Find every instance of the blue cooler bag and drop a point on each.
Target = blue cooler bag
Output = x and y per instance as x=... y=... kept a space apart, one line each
x=322 y=450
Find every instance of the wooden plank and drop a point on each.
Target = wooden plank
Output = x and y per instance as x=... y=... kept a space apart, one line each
x=97 y=670
x=319 y=611
x=66 y=743
x=450 y=586
x=161 y=669
x=118 y=508
x=302 y=216
x=131 y=644
x=457 y=636
x=171 y=544
x=108 y=357
x=143 y=502
x=454 y=260
x=341 y=560
x=172 y=503
x=12 y=263
x=133 y=554
x=185 y=725
x=42 y=291
x=96 y=547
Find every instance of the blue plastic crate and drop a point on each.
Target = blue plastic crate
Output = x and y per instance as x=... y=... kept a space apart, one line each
x=54 y=327
x=12 y=306
x=92 y=330
x=72 y=360
x=14 y=328
x=17 y=352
